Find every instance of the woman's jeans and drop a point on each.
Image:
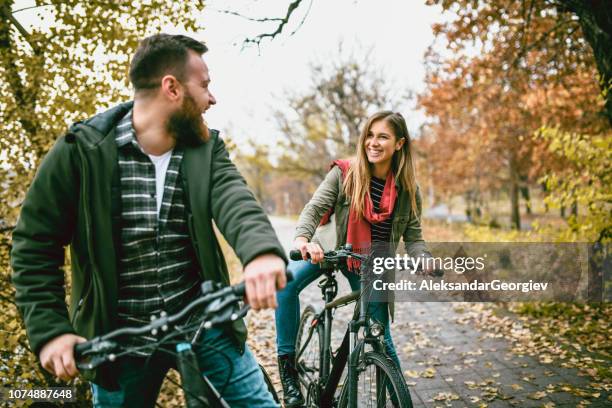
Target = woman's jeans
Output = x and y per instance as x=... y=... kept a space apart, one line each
x=288 y=310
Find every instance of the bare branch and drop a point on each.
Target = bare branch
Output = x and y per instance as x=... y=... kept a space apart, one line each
x=527 y=19
x=259 y=20
x=283 y=22
x=31 y=7
x=24 y=99
x=303 y=19
x=7 y=14
x=528 y=47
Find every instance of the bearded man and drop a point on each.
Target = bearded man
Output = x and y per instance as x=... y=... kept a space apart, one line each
x=134 y=192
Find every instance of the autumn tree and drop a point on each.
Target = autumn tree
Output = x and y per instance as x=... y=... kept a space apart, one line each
x=61 y=61
x=586 y=178
x=507 y=60
x=324 y=122
x=595 y=19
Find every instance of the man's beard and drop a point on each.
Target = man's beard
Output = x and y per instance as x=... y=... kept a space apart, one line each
x=187 y=125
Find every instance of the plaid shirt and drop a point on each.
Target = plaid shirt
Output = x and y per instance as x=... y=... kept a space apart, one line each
x=158 y=267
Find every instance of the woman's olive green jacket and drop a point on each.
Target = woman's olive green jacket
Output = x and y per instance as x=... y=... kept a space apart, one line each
x=406 y=223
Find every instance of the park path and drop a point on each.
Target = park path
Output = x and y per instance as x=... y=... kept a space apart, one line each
x=447 y=361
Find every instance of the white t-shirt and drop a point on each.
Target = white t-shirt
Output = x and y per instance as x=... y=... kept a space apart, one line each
x=161 y=166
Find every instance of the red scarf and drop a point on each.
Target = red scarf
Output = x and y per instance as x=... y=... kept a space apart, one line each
x=359 y=233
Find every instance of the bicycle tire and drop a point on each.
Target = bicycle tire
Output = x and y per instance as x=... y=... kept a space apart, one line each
x=269 y=384
x=309 y=362
x=385 y=371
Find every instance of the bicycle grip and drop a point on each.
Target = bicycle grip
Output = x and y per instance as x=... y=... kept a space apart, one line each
x=296 y=255
x=80 y=348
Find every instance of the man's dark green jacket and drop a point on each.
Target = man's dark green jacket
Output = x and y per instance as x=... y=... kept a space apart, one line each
x=72 y=200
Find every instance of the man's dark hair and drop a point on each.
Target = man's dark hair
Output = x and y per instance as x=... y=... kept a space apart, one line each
x=159 y=55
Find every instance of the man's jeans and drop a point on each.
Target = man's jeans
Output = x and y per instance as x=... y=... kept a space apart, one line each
x=219 y=358
x=288 y=310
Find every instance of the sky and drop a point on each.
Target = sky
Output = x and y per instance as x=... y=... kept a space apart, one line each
x=249 y=83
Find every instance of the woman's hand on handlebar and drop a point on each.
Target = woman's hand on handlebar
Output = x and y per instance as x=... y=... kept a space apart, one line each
x=309 y=248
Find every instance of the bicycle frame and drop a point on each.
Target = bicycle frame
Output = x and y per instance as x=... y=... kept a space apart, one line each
x=356 y=347
x=351 y=347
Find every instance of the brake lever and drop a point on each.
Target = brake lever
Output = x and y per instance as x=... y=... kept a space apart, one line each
x=92 y=363
x=241 y=313
x=220 y=304
x=229 y=315
x=92 y=358
x=101 y=346
x=223 y=311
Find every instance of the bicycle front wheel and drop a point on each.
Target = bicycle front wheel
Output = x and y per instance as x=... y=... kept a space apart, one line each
x=379 y=384
x=309 y=358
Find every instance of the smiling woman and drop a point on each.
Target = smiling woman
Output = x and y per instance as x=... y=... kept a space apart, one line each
x=384 y=148
x=380 y=145
x=375 y=199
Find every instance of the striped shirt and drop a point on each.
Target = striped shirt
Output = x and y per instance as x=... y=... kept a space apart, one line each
x=380 y=232
x=158 y=268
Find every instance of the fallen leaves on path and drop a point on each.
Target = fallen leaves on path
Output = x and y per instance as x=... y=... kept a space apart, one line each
x=548 y=340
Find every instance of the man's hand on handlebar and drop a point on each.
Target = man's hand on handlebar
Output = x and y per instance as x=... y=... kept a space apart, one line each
x=263 y=276
x=306 y=248
x=57 y=356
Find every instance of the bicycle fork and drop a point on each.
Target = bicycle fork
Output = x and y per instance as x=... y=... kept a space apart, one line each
x=354 y=351
x=330 y=292
x=353 y=364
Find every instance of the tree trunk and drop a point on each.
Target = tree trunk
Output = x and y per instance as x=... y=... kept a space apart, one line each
x=599 y=261
x=527 y=197
x=596 y=23
x=515 y=216
x=478 y=199
x=25 y=90
x=545 y=190
x=468 y=208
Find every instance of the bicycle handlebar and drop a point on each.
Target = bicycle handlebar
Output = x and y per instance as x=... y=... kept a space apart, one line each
x=333 y=256
x=343 y=254
x=296 y=255
x=220 y=303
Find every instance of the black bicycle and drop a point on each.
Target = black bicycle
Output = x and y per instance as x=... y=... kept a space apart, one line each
x=372 y=378
x=216 y=306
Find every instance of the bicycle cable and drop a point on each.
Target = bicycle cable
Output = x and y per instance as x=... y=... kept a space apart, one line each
x=183 y=331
